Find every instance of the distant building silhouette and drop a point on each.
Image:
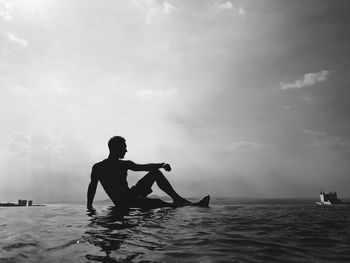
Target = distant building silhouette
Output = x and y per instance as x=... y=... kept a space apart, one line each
x=330 y=198
x=22 y=202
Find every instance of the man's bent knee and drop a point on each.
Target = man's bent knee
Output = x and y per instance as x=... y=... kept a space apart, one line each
x=148 y=180
x=156 y=173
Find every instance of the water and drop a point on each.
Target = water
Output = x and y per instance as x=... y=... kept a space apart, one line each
x=250 y=232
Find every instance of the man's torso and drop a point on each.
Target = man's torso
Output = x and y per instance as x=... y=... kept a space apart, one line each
x=112 y=175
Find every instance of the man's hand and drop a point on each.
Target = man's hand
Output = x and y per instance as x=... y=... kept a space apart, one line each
x=166 y=167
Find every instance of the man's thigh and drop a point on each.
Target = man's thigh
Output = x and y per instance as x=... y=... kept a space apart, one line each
x=144 y=186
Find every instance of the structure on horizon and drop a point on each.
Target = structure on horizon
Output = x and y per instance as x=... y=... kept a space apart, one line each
x=20 y=203
x=24 y=202
x=330 y=198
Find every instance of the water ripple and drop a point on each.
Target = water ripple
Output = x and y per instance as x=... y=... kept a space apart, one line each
x=237 y=233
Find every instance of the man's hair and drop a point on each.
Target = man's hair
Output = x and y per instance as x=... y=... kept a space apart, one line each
x=116 y=143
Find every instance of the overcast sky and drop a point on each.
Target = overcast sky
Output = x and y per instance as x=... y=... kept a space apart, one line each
x=242 y=98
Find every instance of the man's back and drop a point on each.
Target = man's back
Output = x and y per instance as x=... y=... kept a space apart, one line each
x=112 y=174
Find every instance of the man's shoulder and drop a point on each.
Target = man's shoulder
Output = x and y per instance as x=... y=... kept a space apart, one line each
x=99 y=164
x=108 y=162
x=126 y=161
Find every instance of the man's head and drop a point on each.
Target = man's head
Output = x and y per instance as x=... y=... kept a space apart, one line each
x=117 y=146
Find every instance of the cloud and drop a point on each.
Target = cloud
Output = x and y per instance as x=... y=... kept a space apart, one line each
x=245 y=146
x=314 y=133
x=42 y=164
x=6 y=10
x=167 y=8
x=21 y=93
x=17 y=40
x=154 y=9
x=321 y=141
x=309 y=79
x=156 y=94
x=229 y=6
x=241 y=11
x=225 y=6
x=154 y=6
x=19 y=144
x=43 y=147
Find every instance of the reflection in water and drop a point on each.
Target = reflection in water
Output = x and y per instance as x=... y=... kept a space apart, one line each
x=231 y=233
x=113 y=228
x=106 y=231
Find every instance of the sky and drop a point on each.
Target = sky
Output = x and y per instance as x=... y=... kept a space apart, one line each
x=242 y=98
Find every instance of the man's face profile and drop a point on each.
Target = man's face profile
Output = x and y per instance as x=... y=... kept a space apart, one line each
x=123 y=150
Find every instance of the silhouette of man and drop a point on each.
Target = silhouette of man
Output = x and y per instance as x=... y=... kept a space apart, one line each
x=112 y=174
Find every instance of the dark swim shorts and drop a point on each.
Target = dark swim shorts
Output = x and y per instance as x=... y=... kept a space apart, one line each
x=137 y=195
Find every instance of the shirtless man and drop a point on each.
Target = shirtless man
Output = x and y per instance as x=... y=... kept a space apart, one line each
x=112 y=173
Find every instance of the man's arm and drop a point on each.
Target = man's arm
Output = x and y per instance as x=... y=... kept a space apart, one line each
x=92 y=188
x=148 y=167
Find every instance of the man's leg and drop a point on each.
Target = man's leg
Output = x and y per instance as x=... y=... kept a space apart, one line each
x=144 y=186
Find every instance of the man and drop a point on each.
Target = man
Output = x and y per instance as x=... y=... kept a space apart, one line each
x=112 y=174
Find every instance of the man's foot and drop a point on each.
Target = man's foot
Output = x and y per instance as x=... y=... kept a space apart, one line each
x=204 y=202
